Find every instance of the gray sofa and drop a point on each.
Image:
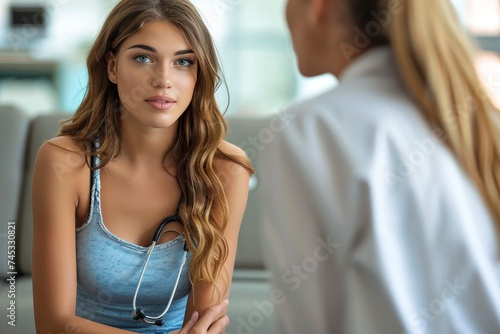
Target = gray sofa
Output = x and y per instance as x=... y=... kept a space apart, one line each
x=20 y=138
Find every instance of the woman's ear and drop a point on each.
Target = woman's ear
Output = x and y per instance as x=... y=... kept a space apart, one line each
x=319 y=9
x=112 y=64
x=323 y=12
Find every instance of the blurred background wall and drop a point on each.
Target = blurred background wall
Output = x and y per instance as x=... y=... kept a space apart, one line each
x=43 y=44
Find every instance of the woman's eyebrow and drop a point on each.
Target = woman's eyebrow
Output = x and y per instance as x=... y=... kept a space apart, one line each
x=183 y=52
x=151 y=49
x=144 y=47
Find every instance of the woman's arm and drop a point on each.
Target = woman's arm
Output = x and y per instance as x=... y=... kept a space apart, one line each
x=58 y=177
x=210 y=323
x=235 y=181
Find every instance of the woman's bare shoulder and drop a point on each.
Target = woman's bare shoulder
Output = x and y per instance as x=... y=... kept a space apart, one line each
x=229 y=169
x=231 y=149
x=63 y=155
x=61 y=144
x=65 y=143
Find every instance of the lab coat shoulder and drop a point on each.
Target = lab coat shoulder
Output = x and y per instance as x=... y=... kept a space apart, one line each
x=361 y=156
x=352 y=126
x=331 y=151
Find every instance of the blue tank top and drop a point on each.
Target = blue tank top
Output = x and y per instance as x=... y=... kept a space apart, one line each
x=108 y=269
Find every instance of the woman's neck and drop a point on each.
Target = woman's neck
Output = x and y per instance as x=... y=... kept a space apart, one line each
x=140 y=145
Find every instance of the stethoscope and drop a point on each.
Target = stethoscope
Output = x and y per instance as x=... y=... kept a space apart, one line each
x=139 y=313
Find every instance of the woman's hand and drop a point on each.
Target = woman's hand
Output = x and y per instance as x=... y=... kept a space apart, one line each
x=210 y=323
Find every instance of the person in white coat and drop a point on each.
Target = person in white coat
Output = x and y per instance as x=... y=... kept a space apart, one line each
x=381 y=198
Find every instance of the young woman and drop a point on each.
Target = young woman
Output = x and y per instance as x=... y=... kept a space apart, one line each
x=382 y=197
x=146 y=144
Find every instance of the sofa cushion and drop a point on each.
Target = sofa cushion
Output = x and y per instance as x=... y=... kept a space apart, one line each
x=13 y=132
x=245 y=133
x=42 y=128
x=252 y=305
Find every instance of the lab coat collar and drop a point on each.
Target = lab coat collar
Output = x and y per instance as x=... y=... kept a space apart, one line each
x=377 y=58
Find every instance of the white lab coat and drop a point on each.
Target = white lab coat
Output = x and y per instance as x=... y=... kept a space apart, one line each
x=370 y=224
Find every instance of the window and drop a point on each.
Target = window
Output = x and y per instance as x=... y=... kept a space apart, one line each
x=257 y=56
x=482 y=19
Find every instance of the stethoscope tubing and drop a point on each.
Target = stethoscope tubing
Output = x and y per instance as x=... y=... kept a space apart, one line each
x=138 y=313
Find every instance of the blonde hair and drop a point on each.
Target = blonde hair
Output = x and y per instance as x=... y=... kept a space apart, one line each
x=201 y=128
x=436 y=61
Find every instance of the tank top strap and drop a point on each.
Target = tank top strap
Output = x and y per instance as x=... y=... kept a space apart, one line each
x=95 y=191
x=94 y=162
x=94 y=158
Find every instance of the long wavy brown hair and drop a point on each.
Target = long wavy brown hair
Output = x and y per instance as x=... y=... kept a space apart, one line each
x=201 y=128
x=436 y=61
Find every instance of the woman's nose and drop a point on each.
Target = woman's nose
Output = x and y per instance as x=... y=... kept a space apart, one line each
x=162 y=78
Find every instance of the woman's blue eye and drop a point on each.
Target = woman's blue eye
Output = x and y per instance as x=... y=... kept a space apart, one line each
x=143 y=59
x=185 y=62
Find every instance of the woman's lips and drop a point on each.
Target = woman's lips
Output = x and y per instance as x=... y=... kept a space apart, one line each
x=160 y=102
x=159 y=105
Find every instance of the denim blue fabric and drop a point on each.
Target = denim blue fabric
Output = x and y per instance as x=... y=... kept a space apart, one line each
x=108 y=269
